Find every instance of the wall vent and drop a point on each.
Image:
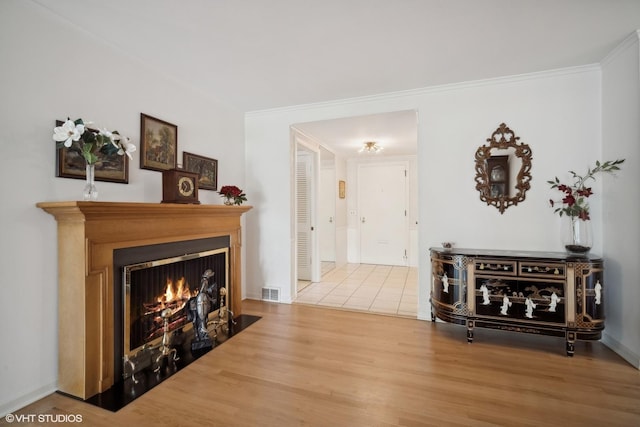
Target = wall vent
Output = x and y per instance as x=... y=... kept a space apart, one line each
x=271 y=294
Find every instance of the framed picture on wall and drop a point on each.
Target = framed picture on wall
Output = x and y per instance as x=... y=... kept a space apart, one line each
x=71 y=164
x=342 y=192
x=205 y=167
x=158 y=144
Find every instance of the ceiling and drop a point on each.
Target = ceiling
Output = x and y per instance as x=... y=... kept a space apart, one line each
x=256 y=54
x=396 y=133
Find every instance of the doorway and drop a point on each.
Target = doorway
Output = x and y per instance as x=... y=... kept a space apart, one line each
x=386 y=172
x=327 y=208
x=314 y=207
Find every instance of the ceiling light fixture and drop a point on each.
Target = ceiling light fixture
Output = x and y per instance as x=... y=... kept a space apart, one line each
x=370 y=147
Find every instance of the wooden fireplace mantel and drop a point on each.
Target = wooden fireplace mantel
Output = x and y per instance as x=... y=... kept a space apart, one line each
x=88 y=233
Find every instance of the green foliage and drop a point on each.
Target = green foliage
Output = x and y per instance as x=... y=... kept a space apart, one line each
x=574 y=202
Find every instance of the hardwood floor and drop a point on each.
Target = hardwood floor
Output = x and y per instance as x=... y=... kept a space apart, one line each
x=304 y=365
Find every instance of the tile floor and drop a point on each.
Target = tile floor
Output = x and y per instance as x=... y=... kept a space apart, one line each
x=382 y=289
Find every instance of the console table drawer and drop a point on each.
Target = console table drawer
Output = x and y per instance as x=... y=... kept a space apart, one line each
x=542 y=269
x=492 y=266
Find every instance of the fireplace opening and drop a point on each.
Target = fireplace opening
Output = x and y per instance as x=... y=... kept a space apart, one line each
x=152 y=287
x=162 y=275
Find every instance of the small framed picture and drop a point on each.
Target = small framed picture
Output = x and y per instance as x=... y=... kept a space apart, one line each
x=158 y=144
x=342 y=192
x=71 y=164
x=205 y=167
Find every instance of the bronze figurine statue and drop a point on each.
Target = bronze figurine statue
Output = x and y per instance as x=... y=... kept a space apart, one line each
x=198 y=309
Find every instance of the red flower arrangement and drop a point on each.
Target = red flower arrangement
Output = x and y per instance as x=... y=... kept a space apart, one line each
x=574 y=202
x=233 y=195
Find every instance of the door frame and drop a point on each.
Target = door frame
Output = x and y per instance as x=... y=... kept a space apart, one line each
x=301 y=141
x=327 y=200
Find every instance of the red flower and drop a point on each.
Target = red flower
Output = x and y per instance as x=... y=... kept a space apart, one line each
x=585 y=192
x=233 y=194
x=574 y=203
x=230 y=191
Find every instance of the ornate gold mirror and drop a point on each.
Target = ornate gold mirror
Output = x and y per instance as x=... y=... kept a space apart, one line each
x=502 y=169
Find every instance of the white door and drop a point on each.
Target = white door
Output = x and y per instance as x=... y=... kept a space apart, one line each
x=382 y=203
x=326 y=222
x=303 y=209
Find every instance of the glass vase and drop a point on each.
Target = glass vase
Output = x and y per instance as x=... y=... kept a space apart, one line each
x=90 y=192
x=577 y=235
x=229 y=201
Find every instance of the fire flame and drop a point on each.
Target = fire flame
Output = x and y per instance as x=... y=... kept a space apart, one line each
x=175 y=293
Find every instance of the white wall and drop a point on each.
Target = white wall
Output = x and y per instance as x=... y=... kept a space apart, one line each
x=51 y=70
x=341 y=213
x=557 y=113
x=621 y=195
x=570 y=118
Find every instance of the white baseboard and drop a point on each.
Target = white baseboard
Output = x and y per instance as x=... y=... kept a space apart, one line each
x=27 y=399
x=258 y=297
x=424 y=315
x=621 y=350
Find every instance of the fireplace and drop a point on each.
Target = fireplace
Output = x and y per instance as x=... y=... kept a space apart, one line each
x=151 y=287
x=156 y=277
x=95 y=241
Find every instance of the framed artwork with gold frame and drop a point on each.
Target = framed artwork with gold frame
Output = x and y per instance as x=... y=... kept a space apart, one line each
x=342 y=193
x=205 y=167
x=158 y=144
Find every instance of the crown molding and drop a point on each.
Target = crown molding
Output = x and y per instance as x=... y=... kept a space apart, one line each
x=429 y=90
x=631 y=40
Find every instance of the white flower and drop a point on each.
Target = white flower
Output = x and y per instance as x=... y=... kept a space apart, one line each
x=115 y=138
x=126 y=147
x=92 y=143
x=107 y=133
x=68 y=133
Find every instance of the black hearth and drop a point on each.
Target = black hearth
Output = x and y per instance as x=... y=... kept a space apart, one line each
x=125 y=391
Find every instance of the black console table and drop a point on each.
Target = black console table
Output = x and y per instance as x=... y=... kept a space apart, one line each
x=549 y=293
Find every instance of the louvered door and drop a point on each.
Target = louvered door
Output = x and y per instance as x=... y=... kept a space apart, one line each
x=303 y=178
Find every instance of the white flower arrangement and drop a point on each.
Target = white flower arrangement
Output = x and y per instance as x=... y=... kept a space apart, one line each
x=74 y=135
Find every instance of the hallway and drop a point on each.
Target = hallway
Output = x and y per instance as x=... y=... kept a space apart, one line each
x=381 y=289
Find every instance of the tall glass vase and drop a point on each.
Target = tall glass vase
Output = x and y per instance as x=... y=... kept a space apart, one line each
x=90 y=192
x=577 y=235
